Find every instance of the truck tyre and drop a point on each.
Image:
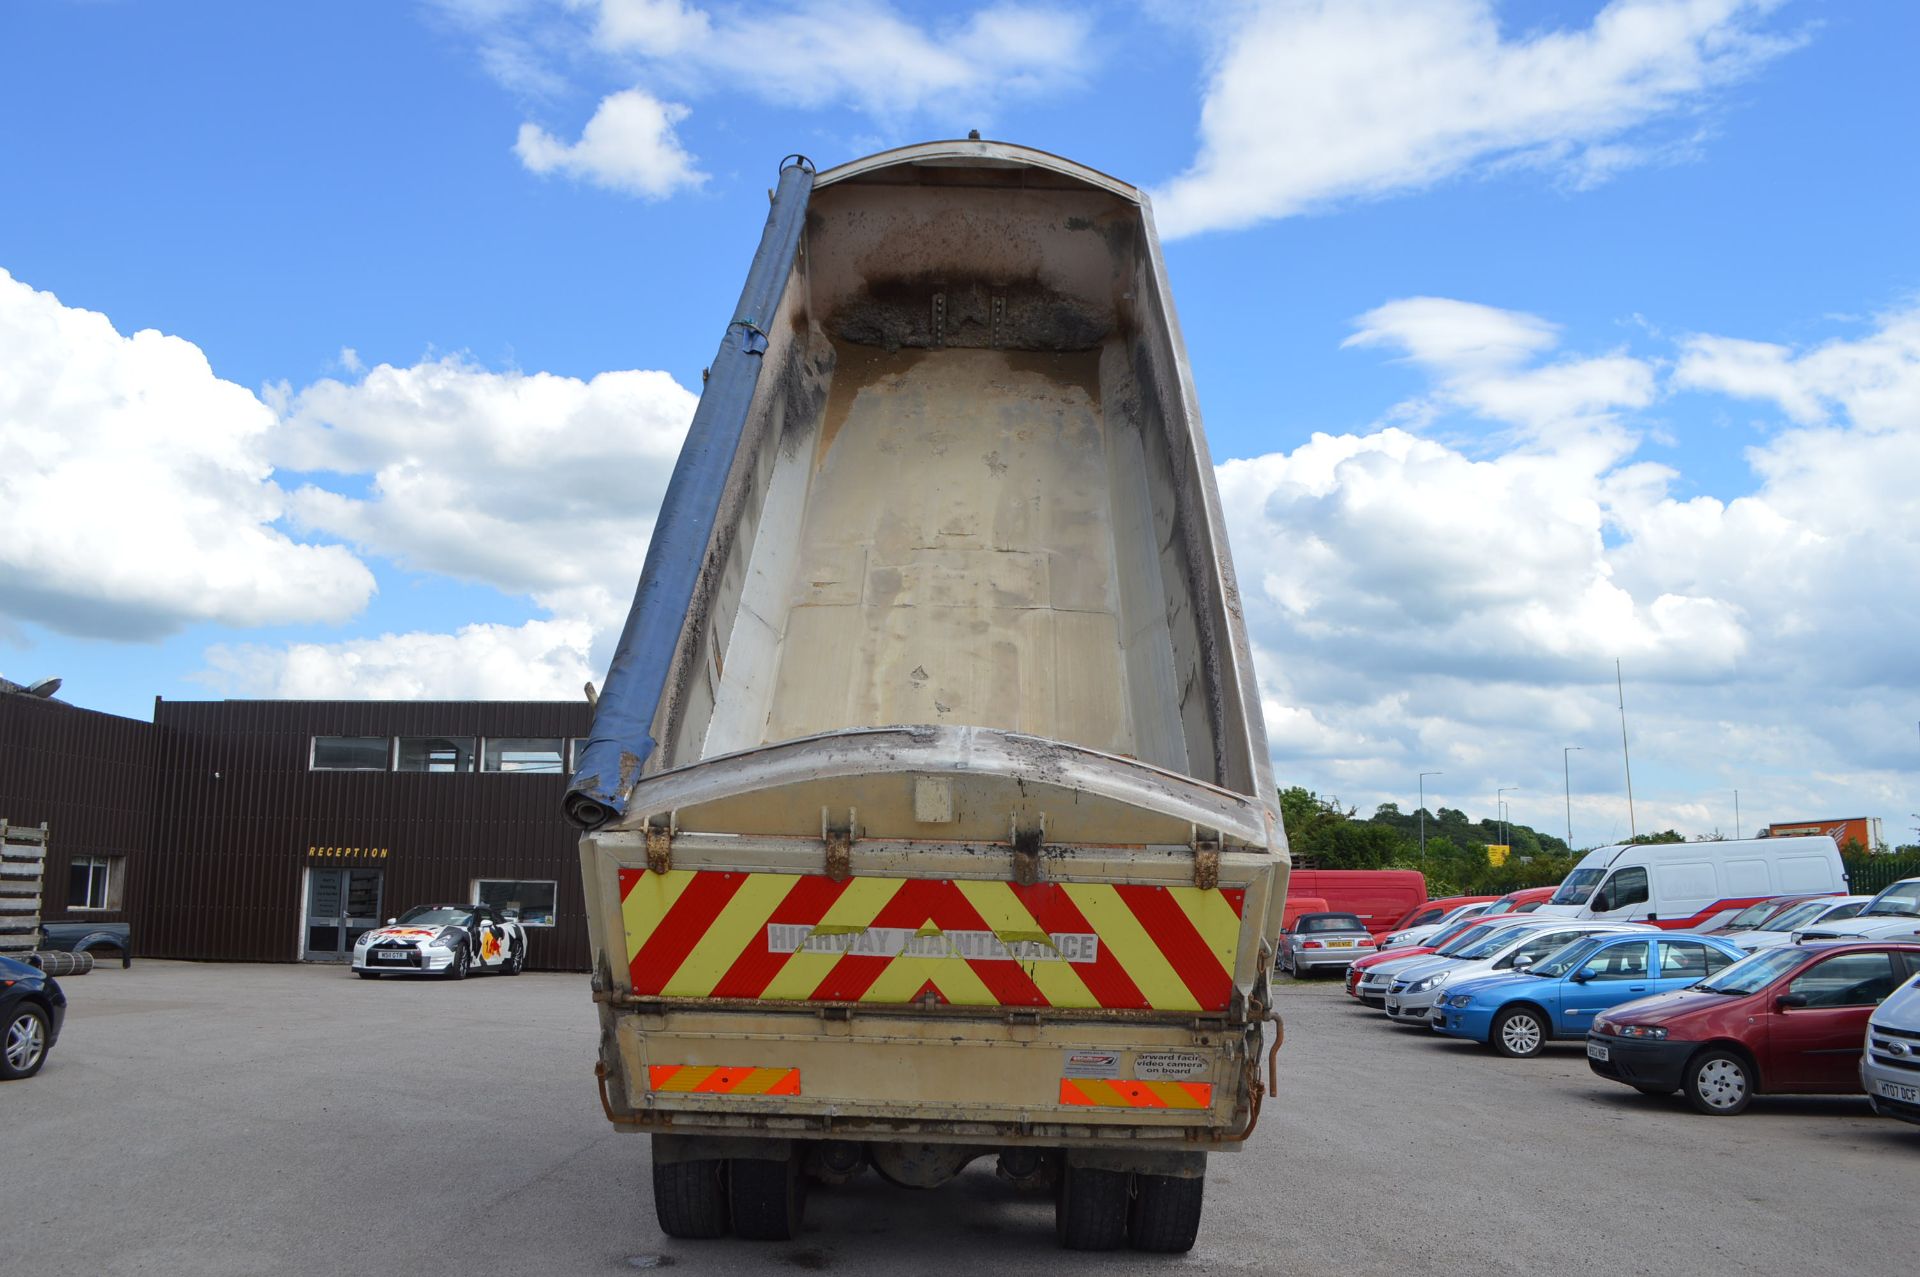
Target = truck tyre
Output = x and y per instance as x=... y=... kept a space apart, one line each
x=1165 y=1217
x=766 y=1199
x=690 y=1199
x=1091 y=1211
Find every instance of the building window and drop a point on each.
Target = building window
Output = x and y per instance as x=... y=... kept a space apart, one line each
x=435 y=754
x=93 y=882
x=575 y=747
x=521 y=754
x=531 y=902
x=351 y=753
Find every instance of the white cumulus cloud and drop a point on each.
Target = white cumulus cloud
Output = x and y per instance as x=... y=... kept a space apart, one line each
x=1457 y=603
x=537 y=661
x=1314 y=101
x=536 y=484
x=629 y=145
x=136 y=490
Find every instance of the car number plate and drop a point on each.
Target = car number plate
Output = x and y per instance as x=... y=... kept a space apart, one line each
x=1895 y=1091
x=391 y=955
x=1339 y=944
x=1598 y=1051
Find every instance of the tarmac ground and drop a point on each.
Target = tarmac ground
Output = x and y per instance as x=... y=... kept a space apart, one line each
x=207 y=1120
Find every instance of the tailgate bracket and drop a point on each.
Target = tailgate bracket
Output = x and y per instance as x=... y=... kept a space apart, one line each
x=660 y=845
x=839 y=842
x=1026 y=851
x=1206 y=859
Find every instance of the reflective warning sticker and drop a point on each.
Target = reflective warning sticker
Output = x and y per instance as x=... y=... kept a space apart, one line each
x=1131 y=1094
x=806 y=937
x=702 y=1079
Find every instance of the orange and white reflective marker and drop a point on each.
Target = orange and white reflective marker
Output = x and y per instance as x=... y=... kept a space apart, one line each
x=1091 y=1092
x=703 y=1079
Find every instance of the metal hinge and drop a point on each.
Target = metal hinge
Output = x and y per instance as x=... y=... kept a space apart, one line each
x=1026 y=851
x=660 y=846
x=1206 y=861
x=839 y=845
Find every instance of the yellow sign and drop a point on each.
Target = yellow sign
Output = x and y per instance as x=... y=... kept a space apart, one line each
x=347 y=853
x=1497 y=853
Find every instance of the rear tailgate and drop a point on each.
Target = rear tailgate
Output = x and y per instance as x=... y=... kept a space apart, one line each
x=746 y=986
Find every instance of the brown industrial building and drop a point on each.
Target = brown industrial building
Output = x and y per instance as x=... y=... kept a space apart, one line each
x=276 y=831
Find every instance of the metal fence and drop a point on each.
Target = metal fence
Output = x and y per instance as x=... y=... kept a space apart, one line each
x=1868 y=877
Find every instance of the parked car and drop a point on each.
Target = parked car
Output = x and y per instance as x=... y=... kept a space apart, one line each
x=1378 y=897
x=1414 y=935
x=1421 y=983
x=1890 y=1065
x=1379 y=976
x=1558 y=997
x=1357 y=972
x=1760 y=914
x=87 y=937
x=1434 y=910
x=1780 y=928
x=448 y=940
x=1321 y=940
x=32 y=1008
x=1893 y=914
x=1788 y=1019
x=1525 y=900
x=1683 y=886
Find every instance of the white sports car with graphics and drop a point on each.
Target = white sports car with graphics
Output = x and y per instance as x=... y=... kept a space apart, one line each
x=443 y=940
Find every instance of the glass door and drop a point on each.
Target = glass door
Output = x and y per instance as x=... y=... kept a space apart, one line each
x=341 y=904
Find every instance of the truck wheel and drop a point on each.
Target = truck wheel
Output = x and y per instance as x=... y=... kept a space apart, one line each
x=690 y=1199
x=1166 y=1213
x=767 y=1199
x=1091 y=1211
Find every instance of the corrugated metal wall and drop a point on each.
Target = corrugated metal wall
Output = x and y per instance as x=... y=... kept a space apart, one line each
x=89 y=776
x=237 y=810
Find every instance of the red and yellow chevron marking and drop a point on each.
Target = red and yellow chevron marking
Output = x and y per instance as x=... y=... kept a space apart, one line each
x=807 y=938
x=700 y=1079
x=1135 y=1095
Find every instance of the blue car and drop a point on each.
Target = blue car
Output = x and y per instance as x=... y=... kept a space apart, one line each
x=1558 y=997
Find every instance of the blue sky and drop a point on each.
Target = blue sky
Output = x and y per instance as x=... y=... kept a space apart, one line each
x=1529 y=337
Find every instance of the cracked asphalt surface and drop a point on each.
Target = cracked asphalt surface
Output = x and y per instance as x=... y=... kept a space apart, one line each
x=208 y=1120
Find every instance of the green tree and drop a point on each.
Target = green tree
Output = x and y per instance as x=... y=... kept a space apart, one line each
x=1665 y=835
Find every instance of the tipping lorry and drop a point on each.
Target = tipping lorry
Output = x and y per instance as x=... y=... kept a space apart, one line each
x=927 y=810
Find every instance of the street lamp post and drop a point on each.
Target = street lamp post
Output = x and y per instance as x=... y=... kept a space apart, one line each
x=1423 y=816
x=1566 y=778
x=1500 y=805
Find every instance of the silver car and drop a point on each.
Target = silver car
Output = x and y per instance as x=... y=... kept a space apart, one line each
x=1324 y=941
x=1890 y=1064
x=1422 y=982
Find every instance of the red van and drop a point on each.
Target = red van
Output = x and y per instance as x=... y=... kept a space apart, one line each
x=1297 y=905
x=1378 y=897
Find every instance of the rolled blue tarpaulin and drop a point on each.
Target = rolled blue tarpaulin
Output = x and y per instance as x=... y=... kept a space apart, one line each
x=622 y=737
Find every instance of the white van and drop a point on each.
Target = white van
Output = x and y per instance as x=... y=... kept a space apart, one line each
x=1680 y=885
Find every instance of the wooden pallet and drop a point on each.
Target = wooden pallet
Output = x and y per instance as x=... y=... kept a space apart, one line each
x=23 y=868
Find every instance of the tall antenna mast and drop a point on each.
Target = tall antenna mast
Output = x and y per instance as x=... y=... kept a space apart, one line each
x=1621 y=688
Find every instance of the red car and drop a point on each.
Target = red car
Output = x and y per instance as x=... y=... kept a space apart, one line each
x=1434 y=941
x=1434 y=910
x=1787 y=1020
x=1525 y=900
